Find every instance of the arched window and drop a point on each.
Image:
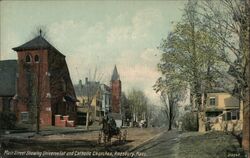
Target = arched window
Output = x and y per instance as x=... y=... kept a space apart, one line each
x=28 y=59
x=37 y=59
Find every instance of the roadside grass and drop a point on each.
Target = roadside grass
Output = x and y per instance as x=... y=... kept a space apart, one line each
x=208 y=145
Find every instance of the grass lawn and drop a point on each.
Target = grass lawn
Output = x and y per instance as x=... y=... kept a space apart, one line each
x=209 y=145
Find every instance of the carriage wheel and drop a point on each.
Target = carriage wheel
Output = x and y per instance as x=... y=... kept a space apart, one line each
x=99 y=138
x=104 y=138
x=125 y=133
x=120 y=136
x=109 y=139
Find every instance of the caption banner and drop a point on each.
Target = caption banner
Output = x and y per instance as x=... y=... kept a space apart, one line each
x=41 y=154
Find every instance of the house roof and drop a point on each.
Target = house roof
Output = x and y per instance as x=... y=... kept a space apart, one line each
x=89 y=89
x=8 y=70
x=36 y=43
x=105 y=88
x=216 y=90
x=115 y=75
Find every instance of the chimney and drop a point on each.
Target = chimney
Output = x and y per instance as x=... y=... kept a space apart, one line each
x=80 y=83
x=86 y=80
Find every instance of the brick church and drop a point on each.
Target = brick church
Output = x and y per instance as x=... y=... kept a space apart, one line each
x=43 y=85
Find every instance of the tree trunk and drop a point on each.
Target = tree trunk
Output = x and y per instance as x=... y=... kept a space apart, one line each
x=170 y=126
x=170 y=118
x=202 y=123
x=87 y=120
x=200 y=108
x=201 y=114
x=246 y=118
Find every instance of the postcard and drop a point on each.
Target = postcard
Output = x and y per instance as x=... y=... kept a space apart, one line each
x=124 y=79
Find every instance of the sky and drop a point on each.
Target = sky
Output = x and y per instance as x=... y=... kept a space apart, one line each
x=95 y=36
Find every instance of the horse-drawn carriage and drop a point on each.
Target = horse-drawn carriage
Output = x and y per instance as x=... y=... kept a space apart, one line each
x=110 y=130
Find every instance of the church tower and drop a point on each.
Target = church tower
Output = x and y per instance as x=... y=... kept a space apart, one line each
x=116 y=88
x=33 y=82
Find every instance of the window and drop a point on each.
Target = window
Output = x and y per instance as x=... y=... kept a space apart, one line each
x=6 y=104
x=28 y=59
x=24 y=116
x=231 y=115
x=36 y=58
x=106 y=100
x=212 y=100
x=234 y=115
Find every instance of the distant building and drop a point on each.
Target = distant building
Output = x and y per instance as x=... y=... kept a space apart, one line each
x=224 y=111
x=99 y=99
x=8 y=72
x=106 y=98
x=43 y=83
x=90 y=97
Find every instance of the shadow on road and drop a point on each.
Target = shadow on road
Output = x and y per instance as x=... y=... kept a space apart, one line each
x=65 y=145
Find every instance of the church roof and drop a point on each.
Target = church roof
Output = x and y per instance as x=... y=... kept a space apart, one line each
x=115 y=75
x=36 y=43
x=8 y=70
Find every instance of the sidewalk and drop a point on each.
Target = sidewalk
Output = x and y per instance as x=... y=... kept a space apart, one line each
x=77 y=139
x=47 y=131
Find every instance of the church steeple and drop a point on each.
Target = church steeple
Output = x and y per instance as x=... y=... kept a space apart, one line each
x=116 y=88
x=115 y=75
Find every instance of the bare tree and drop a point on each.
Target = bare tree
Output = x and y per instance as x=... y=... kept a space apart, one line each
x=139 y=104
x=170 y=101
x=89 y=91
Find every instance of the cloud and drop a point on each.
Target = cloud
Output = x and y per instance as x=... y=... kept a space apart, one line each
x=145 y=20
x=139 y=28
x=119 y=34
x=10 y=41
x=98 y=36
x=138 y=70
x=109 y=41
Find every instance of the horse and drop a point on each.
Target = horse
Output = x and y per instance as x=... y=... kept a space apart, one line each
x=109 y=129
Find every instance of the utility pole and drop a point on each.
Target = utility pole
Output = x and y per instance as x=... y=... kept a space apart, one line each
x=88 y=104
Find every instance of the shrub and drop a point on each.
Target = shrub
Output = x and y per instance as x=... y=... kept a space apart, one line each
x=189 y=122
x=7 y=120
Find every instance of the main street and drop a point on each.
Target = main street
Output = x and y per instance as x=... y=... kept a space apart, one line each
x=82 y=141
